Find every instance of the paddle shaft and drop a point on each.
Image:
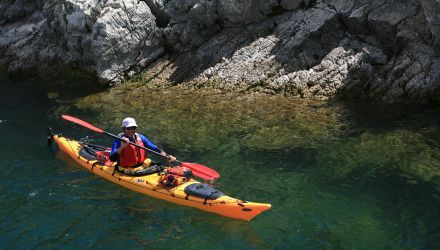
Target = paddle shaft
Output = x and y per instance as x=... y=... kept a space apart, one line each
x=139 y=146
x=204 y=173
x=198 y=169
x=93 y=145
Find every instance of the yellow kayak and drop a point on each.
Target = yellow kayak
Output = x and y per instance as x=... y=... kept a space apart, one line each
x=184 y=191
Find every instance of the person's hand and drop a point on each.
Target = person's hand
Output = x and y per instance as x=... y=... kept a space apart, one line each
x=124 y=142
x=171 y=158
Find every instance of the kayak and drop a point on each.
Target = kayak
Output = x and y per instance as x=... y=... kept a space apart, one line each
x=182 y=190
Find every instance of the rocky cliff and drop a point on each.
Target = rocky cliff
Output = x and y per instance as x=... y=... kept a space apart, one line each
x=388 y=50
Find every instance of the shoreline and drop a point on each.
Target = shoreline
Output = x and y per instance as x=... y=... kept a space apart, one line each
x=385 y=51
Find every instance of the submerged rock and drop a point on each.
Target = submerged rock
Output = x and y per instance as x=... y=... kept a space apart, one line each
x=382 y=49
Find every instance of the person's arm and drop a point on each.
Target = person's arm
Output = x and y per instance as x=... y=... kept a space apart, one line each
x=151 y=146
x=117 y=148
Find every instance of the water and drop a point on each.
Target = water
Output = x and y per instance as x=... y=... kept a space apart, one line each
x=338 y=175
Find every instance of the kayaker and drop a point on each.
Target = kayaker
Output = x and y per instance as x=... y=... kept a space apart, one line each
x=130 y=157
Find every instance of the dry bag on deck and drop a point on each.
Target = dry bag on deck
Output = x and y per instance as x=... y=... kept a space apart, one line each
x=202 y=191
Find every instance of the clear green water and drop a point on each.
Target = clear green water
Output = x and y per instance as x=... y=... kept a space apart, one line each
x=338 y=175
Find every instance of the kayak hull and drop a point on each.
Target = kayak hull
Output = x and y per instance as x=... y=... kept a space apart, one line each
x=150 y=185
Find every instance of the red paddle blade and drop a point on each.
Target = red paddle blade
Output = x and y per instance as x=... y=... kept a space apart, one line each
x=82 y=123
x=209 y=173
x=202 y=175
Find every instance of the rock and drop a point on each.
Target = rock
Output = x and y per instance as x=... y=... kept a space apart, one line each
x=384 y=20
x=236 y=12
x=387 y=50
x=291 y=4
x=118 y=44
x=432 y=12
x=109 y=37
x=76 y=22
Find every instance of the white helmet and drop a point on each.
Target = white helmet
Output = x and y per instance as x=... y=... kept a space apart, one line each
x=128 y=122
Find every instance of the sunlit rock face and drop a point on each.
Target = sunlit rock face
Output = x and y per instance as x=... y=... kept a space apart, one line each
x=386 y=50
x=109 y=38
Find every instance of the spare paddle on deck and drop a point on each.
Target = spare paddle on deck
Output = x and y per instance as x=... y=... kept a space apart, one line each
x=198 y=170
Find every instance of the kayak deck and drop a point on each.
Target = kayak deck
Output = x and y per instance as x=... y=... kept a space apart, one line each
x=191 y=193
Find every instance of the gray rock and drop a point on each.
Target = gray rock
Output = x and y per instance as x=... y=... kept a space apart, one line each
x=384 y=20
x=109 y=38
x=76 y=22
x=382 y=49
x=291 y=4
x=432 y=12
x=122 y=37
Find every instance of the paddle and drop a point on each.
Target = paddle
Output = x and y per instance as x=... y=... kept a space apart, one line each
x=197 y=169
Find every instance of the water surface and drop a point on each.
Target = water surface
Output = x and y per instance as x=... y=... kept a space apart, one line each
x=339 y=175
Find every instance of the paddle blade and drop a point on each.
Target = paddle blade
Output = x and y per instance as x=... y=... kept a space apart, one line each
x=203 y=176
x=202 y=171
x=82 y=123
